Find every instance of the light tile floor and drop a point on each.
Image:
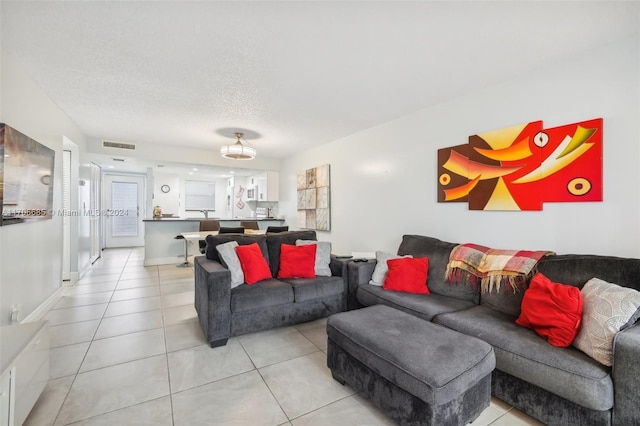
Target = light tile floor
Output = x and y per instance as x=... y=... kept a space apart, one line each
x=126 y=349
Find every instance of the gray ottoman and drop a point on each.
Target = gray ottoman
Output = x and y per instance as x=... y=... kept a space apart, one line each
x=416 y=371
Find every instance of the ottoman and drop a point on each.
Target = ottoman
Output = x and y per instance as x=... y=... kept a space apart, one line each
x=417 y=372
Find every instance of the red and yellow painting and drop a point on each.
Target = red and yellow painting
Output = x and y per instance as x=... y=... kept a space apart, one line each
x=524 y=166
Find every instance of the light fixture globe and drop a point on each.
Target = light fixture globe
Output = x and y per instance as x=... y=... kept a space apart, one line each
x=238 y=151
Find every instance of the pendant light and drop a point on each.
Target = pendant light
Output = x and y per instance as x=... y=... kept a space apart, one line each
x=238 y=151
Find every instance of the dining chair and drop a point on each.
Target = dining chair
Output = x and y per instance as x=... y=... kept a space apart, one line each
x=277 y=228
x=231 y=230
x=207 y=225
x=250 y=224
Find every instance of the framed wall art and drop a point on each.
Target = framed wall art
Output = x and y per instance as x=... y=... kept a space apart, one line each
x=314 y=198
x=524 y=166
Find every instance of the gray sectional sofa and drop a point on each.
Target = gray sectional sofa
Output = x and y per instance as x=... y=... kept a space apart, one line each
x=558 y=386
x=224 y=312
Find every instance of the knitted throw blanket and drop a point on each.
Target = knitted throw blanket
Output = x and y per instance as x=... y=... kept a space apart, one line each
x=470 y=263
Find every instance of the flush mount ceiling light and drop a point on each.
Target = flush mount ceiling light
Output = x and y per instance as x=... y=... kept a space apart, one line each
x=238 y=151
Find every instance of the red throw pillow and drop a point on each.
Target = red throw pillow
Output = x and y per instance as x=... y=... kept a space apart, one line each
x=552 y=310
x=297 y=261
x=254 y=266
x=408 y=275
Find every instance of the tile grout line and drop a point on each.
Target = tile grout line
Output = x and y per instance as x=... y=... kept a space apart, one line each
x=75 y=377
x=91 y=343
x=83 y=359
x=265 y=382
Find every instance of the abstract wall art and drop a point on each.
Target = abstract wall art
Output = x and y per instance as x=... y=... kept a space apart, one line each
x=524 y=166
x=314 y=197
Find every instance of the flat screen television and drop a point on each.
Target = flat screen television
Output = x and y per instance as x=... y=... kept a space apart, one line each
x=26 y=178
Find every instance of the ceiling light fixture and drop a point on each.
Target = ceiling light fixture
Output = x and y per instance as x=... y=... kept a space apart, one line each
x=238 y=151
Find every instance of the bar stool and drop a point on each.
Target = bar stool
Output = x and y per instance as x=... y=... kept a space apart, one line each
x=186 y=263
x=250 y=224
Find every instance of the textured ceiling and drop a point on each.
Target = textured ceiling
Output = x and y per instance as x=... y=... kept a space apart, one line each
x=297 y=74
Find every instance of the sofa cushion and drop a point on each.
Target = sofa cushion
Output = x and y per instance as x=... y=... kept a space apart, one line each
x=297 y=261
x=274 y=240
x=381 y=269
x=608 y=308
x=242 y=239
x=438 y=253
x=567 y=372
x=552 y=310
x=505 y=300
x=229 y=258
x=421 y=305
x=323 y=256
x=269 y=292
x=254 y=266
x=315 y=288
x=577 y=269
x=408 y=275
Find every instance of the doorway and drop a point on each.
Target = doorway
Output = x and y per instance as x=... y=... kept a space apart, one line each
x=124 y=202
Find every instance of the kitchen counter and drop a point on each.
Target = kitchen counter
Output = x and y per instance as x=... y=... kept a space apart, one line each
x=161 y=246
x=190 y=219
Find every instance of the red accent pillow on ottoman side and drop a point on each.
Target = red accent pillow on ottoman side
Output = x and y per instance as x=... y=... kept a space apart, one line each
x=408 y=275
x=297 y=261
x=552 y=310
x=254 y=266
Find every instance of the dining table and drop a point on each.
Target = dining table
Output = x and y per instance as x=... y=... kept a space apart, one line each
x=202 y=235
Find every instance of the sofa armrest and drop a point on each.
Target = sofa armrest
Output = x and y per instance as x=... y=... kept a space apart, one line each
x=339 y=269
x=359 y=273
x=213 y=299
x=626 y=376
x=338 y=266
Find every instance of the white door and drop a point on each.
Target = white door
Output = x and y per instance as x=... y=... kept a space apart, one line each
x=124 y=199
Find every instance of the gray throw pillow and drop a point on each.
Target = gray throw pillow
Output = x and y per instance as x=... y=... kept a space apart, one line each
x=229 y=257
x=323 y=256
x=381 y=269
x=607 y=309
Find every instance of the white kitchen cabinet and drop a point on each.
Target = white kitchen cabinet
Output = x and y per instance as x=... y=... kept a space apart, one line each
x=252 y=188
x=268 y=186
x=24 y=359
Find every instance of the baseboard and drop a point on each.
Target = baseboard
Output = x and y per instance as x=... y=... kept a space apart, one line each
x=45 y=306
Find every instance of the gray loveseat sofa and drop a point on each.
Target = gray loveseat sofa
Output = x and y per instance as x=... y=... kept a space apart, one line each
x=224 y=312
x=558 y=386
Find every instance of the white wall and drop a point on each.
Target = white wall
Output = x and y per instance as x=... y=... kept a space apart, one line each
x=31 y=253
x=383 y=180
x=173 y=201
x=169 y=202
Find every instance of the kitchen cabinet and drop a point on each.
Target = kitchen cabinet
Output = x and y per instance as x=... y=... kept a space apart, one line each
x=24 y=356
x=267 y=186
x=252 y=188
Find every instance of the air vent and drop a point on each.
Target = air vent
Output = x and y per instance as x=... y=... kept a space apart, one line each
x=119 y=145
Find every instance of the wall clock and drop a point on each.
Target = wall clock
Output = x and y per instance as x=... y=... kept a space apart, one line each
x=165 y=188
